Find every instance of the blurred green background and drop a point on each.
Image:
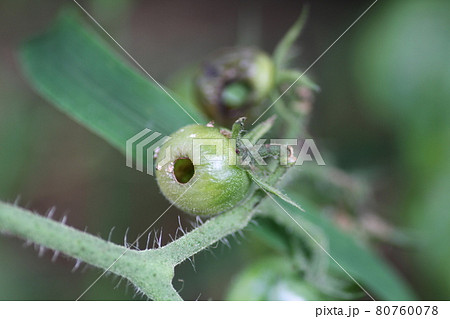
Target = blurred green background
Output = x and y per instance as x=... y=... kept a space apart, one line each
x=383 y=112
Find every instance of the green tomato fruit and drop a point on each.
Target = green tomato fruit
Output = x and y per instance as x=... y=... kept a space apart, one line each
x=193 y=175
x=272 y=279
x=232 y=82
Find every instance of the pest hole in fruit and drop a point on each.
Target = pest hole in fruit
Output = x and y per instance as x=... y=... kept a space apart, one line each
x=183 y=170
x=235 y=94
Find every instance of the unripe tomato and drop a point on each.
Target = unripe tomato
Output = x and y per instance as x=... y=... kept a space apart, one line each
x=206 y=185
x=232 y=82
x=272 y=279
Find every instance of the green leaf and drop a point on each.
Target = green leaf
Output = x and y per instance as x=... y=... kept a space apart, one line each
x=260 y=130
x=270 y=189
x=300 y=78
x=282 y=49
x=82 y=76
x=359 y=260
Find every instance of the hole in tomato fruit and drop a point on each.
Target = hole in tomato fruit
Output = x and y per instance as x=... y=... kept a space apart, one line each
x=183 y=170
x=235 y=94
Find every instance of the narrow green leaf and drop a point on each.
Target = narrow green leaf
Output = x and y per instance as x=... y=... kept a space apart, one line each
x=300 y=77
x=274 y=191
x=358 y=259
x=262 y=128
x=282 y=49
x=237 y=128
x=82 y=76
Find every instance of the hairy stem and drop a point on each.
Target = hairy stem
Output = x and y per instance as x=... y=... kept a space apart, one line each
x=212 y=231
x=59 y=237
x=151 y=271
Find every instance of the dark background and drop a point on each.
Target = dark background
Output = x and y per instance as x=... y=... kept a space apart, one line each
x=383 y=112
